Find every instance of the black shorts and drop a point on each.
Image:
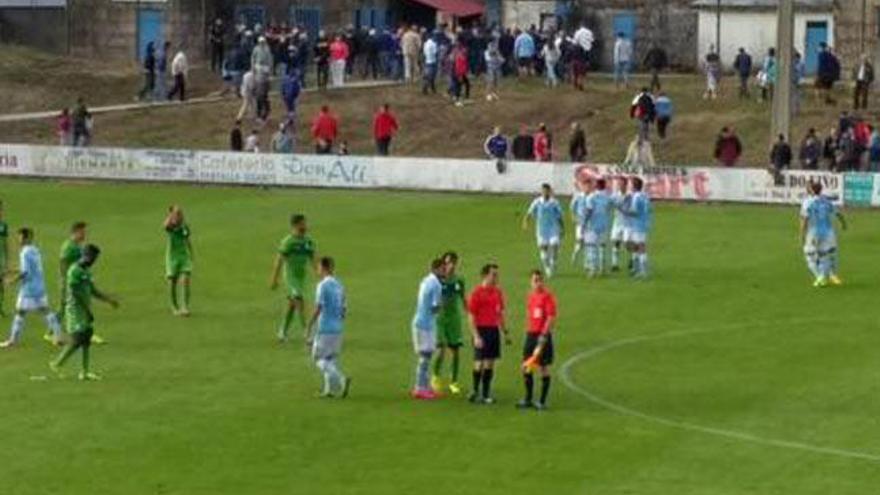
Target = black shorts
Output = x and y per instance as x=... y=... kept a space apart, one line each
x=531 y=344
x=491 y=337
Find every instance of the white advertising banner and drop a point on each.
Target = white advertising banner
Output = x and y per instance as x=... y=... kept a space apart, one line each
x=662 y=182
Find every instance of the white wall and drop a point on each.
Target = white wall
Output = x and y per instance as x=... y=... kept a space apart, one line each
x=524 y=13
x=755 y=31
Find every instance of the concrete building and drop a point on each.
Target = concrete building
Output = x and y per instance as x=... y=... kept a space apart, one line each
x=751 y=24
x=671 y=24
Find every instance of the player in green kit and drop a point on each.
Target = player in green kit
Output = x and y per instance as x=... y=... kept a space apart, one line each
x=449 y=325
x=178 y=259
x=296 y=253
x=79 y=319
x=71 y=252
x=4 y=256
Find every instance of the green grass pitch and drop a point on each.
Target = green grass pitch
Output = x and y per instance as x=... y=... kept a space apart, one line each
x=750 y=381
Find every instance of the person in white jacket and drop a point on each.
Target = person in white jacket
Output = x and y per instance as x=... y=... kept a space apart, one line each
x=623 y=55
x=179 y=71
x=248 y=94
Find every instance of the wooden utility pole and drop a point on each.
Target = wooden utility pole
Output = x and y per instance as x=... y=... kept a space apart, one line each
x=782 y=91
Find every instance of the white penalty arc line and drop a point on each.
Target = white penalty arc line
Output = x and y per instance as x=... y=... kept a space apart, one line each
x=685 y=425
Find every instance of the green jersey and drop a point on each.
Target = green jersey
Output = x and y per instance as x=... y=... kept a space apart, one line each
x=4 y=241
x=78 y=315
x=71 y=252
x=298 y=253
x=453 y=291
x=178 y=241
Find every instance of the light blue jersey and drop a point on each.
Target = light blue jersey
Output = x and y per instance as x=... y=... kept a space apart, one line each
x=621 y=203
x=598 y=212
x=330 y=296
x=32 y=281
x=577 y=207
x=548 y=217
x=640 y=213
x=819 y=212
x=430 y=298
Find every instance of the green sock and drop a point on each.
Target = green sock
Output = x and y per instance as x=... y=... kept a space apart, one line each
x=288 y=318
x=438 y=363
x=85 y=359
x=186 y=295
x=174 y=295
x=66 y=353
x=455 y=363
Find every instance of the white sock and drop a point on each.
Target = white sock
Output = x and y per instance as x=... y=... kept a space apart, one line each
x=600 y=258
x=577 y=249
x=336 y=376
x=590 y=261
x=325 y=372
x=545 y=260
x=53 y=324
x=17 y=328
x=643 y=263
x=554 y=250
x=813 y=264
x=615 y=256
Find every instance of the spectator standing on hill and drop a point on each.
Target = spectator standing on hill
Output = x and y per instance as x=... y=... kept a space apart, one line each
x=728 y=147
x=828 y=73
x=583 y=45
x=325 y=129
x=742 y=64
x=149 y=88
x=830 y=148
x=524 y=145
x=373 y=52
x=768 y=75
x=656 y=61
x=412 y=47
x=811 y=151
x=874 y=151
x=524 y=48
x=236 y=140
x=798 y=71
x=252 y=143
x=322 y=59
x=290 y=91
x=713 y=75
x=577 y=143
x=623 y=55
x=262 y=61
x=543 y=144
x=281 y=140
x=494 y=62
x=179 y=71
x=63 y=128
x=385 y=126
x=339 y=53
x=863 y=75
x=780 y=156
x=215 y=37
x=162 y=71
x=460 y=69
x=248 y=95
x=847 y=152
x=664 y=110
x=551 y=55
x=496 y=145
x=644 y=111
x=430 y=54
x=82 y=124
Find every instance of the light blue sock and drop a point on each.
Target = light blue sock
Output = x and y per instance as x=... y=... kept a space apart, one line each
x=422 y=380
x=17 y=329
x=601 y=258
x=813 y=263
x=643 y=263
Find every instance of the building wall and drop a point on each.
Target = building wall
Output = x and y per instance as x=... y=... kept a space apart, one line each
x=755 y=31
x=526 y=13
x=43 y=28
x=857 y=32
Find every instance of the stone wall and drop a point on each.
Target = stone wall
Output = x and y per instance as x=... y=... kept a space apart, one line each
x=856 y=32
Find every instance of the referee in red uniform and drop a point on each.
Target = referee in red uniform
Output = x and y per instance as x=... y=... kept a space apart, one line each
x=486 y=308
x=538 y=348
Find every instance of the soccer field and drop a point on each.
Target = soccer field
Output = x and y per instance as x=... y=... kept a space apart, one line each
x=725 y=373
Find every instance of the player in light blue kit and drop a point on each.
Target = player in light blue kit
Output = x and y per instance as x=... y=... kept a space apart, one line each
x=597 y=221
x=424 y=328
x=549 y=226
x=819 y=237
x=620 y=199
x=329 y=315
x=639 y=215
x=31 y=291
x=581 y=190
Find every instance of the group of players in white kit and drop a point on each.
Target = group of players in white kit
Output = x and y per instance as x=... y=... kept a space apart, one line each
x=621 y=218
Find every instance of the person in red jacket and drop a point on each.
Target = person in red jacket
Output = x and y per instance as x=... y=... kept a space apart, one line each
x=460 y=70
x=325 y=129
x=384 y=128
x=543 y=145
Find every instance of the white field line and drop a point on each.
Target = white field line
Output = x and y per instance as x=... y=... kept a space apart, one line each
x=685 y=425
